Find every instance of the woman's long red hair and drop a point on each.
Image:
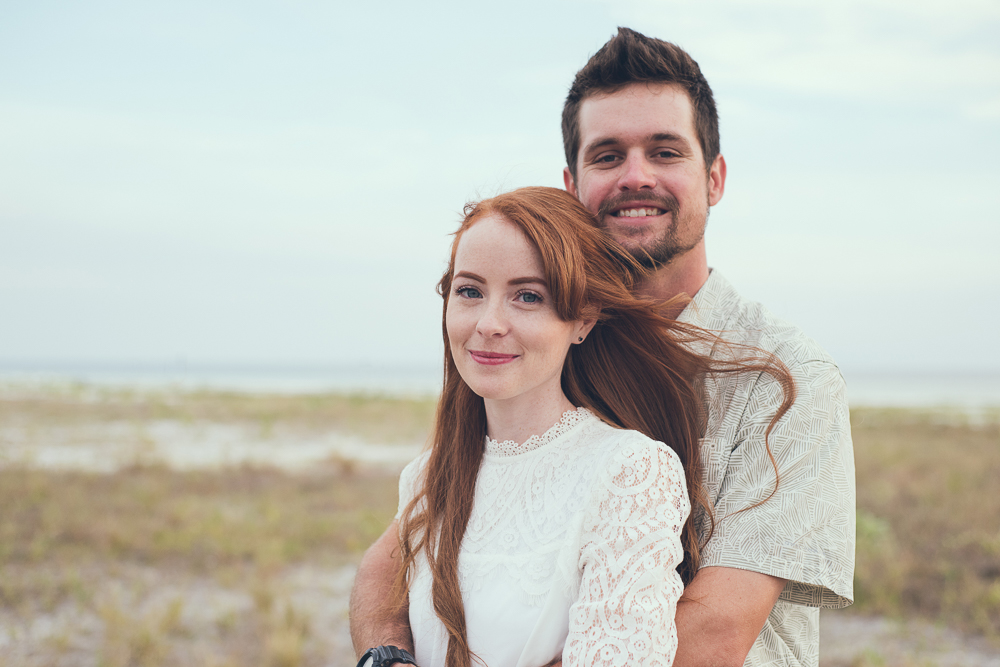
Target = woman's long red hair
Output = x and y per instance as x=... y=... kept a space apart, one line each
x=636 y=369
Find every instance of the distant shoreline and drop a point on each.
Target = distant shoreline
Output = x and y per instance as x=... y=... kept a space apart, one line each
x=865 y=389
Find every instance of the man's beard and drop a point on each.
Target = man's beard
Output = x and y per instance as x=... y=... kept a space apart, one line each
x=661 y=251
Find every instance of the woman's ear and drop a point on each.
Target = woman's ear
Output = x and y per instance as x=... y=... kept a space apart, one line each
x=582 y=328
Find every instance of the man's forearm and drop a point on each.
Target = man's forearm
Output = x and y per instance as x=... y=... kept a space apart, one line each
x=720 y=615
x=374 y=619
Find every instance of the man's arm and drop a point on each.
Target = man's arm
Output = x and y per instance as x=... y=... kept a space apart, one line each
x=374 y=622
x=721 y=613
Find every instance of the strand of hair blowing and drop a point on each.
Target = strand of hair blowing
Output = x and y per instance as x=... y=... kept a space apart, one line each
x=637 y=369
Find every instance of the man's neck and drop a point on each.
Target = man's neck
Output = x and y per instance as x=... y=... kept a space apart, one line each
x=684 y=275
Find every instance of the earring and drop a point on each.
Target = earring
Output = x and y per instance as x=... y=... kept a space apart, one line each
x=580 y=339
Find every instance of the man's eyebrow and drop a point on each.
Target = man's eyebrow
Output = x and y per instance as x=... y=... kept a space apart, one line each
x=667 y=136
x=600 y=143
x=653 y=138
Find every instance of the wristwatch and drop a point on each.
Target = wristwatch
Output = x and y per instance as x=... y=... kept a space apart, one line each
x=383 y=656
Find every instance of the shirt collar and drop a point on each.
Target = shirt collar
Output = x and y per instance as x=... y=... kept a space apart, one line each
x=703 y=309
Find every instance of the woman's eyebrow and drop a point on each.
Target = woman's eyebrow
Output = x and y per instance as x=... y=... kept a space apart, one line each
x=527 y=279
x=470 y=274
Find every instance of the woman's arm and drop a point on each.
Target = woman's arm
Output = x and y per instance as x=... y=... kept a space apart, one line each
x=630 y=550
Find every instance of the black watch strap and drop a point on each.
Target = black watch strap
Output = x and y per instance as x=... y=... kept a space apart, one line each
x=383 y=656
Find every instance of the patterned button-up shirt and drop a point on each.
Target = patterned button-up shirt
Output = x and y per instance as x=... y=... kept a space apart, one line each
x=804 y=532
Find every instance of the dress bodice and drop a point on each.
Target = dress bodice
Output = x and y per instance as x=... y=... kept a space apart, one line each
x=571 y=549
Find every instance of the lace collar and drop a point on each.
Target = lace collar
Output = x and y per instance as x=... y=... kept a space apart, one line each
x=568 y=421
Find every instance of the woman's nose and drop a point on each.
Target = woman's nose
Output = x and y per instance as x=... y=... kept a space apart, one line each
x=493 y=321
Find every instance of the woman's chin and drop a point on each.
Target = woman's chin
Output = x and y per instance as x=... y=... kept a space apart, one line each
x=491 y=393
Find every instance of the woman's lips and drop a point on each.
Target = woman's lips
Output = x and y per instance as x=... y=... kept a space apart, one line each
x=492 y=358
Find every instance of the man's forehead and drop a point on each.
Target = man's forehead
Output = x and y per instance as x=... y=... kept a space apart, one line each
x=636 y=113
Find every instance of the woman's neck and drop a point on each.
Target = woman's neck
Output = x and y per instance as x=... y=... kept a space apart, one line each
x=523 y=416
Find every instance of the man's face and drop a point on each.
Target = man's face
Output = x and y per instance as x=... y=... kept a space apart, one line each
x=640 y=170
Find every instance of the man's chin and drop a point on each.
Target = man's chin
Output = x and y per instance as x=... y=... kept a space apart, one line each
x=638 y=223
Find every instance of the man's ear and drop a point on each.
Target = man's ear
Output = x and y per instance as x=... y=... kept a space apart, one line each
x=568 y=181
x=716 y=180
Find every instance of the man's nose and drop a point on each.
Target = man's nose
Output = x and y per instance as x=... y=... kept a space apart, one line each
x=493 y=321
x=637 y=173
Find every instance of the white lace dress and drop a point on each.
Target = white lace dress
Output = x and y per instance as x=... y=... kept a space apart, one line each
x=571 y=550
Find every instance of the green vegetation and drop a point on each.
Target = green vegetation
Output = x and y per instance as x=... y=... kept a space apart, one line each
x=201 y=521
x=132 y=549
x=133 y=553
x=929 y=517
x=370 y=416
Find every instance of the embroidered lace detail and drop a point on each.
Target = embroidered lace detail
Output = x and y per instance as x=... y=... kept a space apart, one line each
x=590 y=524
x=569 y=419
x=630 y=549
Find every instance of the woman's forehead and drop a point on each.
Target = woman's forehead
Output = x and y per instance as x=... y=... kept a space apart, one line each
x=494 y=243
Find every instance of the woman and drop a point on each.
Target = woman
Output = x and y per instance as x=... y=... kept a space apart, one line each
x=537 y=527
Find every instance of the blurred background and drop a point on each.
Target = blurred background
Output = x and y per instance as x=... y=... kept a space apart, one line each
x=221 y=226
x=262 y=190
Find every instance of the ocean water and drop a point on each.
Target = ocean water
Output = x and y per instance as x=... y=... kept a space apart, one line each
x=973 y=391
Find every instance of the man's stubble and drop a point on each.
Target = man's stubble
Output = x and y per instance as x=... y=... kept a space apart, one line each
x=662 y=251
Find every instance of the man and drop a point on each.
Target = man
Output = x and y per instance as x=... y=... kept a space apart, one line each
x=641 y=136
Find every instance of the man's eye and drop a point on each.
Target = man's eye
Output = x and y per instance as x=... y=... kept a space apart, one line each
x=469 y=292
x=606 y=159
x=667 y=154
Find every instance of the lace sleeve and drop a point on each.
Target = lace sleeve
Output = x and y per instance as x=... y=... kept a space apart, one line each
x=630 y=550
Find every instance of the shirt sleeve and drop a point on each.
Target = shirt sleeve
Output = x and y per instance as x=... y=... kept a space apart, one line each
x=630 y=550
x=804 y=532
x=408 y=480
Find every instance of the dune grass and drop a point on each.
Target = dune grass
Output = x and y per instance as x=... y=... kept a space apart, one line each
x=201 y=520
x=928 y=528
x=929 y=517
x=373 y=417
x=132 y=552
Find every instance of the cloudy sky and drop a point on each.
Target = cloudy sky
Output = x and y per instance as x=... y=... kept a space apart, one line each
x=270 y=183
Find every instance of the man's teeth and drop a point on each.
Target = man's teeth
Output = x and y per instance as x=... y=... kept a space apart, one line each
x=637 y=212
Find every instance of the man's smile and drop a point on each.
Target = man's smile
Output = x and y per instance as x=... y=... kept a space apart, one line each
x=636 y=207
x=638 y=212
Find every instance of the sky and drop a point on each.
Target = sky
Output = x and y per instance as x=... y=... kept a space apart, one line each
x=268 y=184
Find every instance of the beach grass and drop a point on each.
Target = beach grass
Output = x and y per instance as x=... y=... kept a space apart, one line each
x=137 y=552
x=115 y=564
x=929 y=517
x=374 y=417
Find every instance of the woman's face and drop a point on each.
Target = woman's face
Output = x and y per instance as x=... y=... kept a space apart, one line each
x=503 y=330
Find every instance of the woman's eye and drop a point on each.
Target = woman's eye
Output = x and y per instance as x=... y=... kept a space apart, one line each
x=469 y=292
x=529 y=297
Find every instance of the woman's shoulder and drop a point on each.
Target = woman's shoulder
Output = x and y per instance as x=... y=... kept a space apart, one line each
x=624 y=443
x=613 y=450
x=637 y=476
x=410 y=475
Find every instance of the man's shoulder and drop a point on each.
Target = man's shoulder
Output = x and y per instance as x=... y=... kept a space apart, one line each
x=718 y=307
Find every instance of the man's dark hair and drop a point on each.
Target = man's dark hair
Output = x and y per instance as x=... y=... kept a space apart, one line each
x=631 y=57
